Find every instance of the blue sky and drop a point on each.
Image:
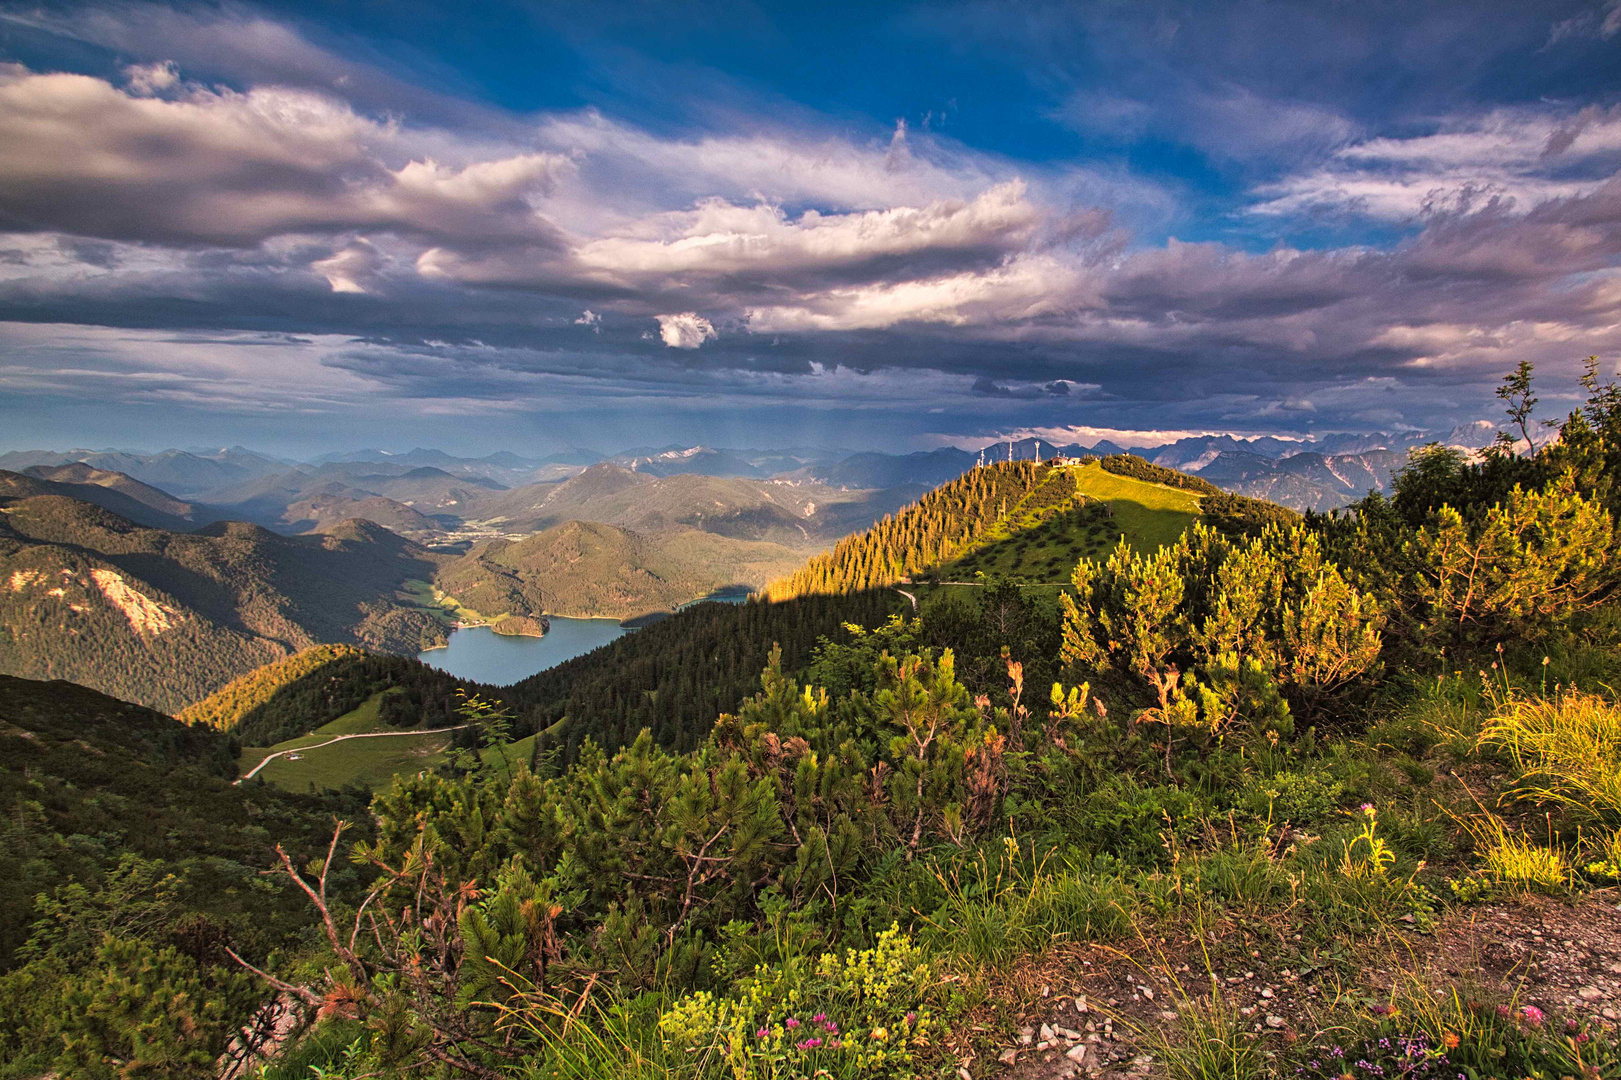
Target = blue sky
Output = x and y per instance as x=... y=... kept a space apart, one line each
x=485 y=226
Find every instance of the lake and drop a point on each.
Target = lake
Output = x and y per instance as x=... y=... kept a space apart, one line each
x=481 y=655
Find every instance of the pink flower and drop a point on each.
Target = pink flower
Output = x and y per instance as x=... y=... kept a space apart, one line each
x=830 y=1026
x=818 y=1018
x=810 y=1044
x=761 y=1034
x=1367 y=808
x=1533 y=1015
x=911 y=1018
x=792 y=1023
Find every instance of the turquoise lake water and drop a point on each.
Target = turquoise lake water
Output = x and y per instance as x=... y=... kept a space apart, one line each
x=481 y=655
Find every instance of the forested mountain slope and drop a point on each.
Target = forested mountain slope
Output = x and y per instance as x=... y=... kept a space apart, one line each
x=296 y=695
x=1065 y=509
x=76 y=763
x=165 y=618
x=589 y=569
x=677 y=676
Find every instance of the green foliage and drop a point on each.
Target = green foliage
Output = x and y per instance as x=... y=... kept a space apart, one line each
x=1418 y=1033
x=1526 y=567
x=140 y=1011
x=1235 y=616
x=867 y=1012
x=1238 y=515
x=1135 y=467
x=675 y=677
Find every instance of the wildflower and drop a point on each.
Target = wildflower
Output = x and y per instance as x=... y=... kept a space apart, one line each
x=835 y=1044
x=762 y=1034
x=911 y=1018
x=818 y=1018
x=792 y=1023
x=1379 y=1008
x=1450 y=1040
x=828 y=1025
x=810 y=1044
x=1503 y=1012
x=1533 y=1015
x=880 y=1034
x=1583 y=1037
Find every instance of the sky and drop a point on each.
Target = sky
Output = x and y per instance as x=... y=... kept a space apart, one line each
x=530 y=225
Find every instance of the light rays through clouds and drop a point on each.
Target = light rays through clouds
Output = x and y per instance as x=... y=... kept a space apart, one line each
x=212 y=216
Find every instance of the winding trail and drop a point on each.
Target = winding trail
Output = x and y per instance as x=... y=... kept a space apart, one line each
x=340 y=738
x=910 y=597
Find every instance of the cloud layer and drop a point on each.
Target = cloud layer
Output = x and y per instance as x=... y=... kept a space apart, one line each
x=444 y=252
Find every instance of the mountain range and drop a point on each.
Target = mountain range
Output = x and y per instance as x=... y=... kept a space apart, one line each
x=428 y=494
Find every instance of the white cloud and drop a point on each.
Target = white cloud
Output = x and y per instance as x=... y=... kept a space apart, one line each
x=687 y=330
x=348 y=269
x=1517 y=157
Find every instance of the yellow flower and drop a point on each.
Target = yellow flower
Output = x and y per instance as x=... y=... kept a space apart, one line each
x=880 y=1034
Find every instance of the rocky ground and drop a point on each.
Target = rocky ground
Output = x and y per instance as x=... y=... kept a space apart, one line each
x=1101 y=1011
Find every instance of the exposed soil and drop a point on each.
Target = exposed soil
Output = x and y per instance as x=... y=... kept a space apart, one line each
x=1101 y=1011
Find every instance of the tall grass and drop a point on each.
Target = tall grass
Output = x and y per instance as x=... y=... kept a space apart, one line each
x=995 y=911
x=1566 y=749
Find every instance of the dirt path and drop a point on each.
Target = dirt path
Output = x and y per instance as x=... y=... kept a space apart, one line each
x=340 y=738
x=910 y=597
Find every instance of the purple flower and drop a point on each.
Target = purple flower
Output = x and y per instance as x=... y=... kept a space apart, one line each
x=911 y=1018
x=1379 y=1008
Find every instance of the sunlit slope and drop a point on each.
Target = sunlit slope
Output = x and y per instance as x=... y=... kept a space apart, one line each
x=318 y=687
x=1020 y=520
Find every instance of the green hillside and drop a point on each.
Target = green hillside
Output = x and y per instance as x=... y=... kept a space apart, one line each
x=1045 y=536
x=675 y=677
x=322 y=760
x=124 y=846
x=166 y=618
x=292 y=697
x=1028 y=522
x=589 y=569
